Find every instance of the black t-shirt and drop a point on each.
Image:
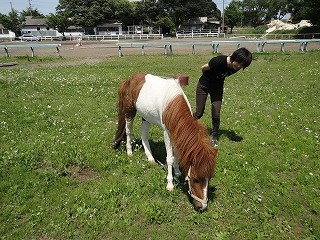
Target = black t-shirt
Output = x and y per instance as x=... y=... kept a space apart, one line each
x=219 y=70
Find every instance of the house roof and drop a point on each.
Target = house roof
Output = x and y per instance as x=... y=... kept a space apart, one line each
x=35 y=22
x=213 y=20
x=1 y=26
x=109 y=24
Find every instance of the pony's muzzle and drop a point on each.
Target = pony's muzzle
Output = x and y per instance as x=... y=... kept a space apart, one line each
x=200 y=207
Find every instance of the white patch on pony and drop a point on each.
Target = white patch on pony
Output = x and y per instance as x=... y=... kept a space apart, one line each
x=144 y=138
x=205 y=194
x=155 y=95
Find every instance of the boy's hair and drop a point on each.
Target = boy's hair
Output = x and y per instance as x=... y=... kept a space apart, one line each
x=243 y=56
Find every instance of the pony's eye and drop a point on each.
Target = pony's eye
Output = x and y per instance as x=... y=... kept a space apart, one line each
x=196 y=180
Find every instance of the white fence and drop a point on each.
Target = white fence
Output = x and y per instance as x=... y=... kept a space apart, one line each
x=124 y=36
x=198 y=34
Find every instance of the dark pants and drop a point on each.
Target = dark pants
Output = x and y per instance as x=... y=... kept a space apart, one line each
x=216 y=101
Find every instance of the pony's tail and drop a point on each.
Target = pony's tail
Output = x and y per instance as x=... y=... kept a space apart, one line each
x=121 y=130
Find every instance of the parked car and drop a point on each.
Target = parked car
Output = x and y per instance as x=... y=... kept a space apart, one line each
x=29 y=37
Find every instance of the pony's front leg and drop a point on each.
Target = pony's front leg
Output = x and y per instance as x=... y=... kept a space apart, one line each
x=170 y=160
x=177 y=171
x=145 y=126
x=129 y=132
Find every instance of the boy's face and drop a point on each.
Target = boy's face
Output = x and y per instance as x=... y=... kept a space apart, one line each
x=236 y=65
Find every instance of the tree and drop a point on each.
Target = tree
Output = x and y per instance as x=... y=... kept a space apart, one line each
x=86 y=13
x=146 y=12
x=91 y=13
x=12 y=21
x=233 y=14
x=166 y=24
x=258 y=12
x=31 y=12
x=310 y=11
x=59 y=21
x=180 y=11
x=294 y=7
x=124 y=11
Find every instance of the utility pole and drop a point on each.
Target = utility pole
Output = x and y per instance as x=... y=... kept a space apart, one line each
x=30 y=8
x=11 y=6
x=222 y=16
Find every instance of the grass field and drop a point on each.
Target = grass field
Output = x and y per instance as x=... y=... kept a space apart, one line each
x=60 y=178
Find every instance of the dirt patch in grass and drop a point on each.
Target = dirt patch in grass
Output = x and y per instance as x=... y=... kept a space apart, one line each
x=82 y=174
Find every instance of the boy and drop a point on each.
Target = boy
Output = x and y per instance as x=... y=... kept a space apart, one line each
x=212 y=80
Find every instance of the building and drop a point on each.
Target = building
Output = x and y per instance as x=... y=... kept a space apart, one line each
x=39 y=28
x=6 y=34
x=199 y=24
x=109 y=28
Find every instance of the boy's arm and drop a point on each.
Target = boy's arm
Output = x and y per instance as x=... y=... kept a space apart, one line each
x=205 y=67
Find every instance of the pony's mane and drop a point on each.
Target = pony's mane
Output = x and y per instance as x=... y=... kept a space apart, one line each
x=189 y=138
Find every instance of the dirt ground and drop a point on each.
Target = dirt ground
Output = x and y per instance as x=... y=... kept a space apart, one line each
x=95 y=51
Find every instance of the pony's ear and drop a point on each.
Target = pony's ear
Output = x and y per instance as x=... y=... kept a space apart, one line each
x=183 y=79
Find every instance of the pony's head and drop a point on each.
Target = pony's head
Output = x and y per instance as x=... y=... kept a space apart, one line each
x=198 y=175
x=198 y=189
x=193 y=149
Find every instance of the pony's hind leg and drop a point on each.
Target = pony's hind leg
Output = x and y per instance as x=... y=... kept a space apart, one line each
x=145 y=126
x=129 y=133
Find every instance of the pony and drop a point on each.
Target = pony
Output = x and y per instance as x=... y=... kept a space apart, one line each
x=162 y=102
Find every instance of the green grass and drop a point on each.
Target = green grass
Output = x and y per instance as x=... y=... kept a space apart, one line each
x=60 y=178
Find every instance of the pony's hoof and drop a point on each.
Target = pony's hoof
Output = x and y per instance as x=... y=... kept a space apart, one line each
x=170 y=187
x=151 y=160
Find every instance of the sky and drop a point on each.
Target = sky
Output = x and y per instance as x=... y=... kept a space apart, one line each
x=48 y=6
x=44 y=6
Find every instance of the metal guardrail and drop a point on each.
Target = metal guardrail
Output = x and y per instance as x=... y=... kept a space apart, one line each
x=303 y=43
x=260 y=44
x=31 y=46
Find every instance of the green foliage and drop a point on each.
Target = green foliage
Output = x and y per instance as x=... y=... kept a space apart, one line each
x=261 y=29
x=256 y=12
x=166 y=24
x=181 y=11
x=31 y=12
x=233 y=14
x=304 y=9
x=13 y=22
x=312 y=29
x=59 y=21
x=61 y=179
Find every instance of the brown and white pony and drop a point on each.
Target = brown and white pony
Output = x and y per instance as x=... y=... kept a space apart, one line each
x=162 y=102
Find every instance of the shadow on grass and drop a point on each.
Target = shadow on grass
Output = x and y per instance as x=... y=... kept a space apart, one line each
x=230 y=134
x=159 y=153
